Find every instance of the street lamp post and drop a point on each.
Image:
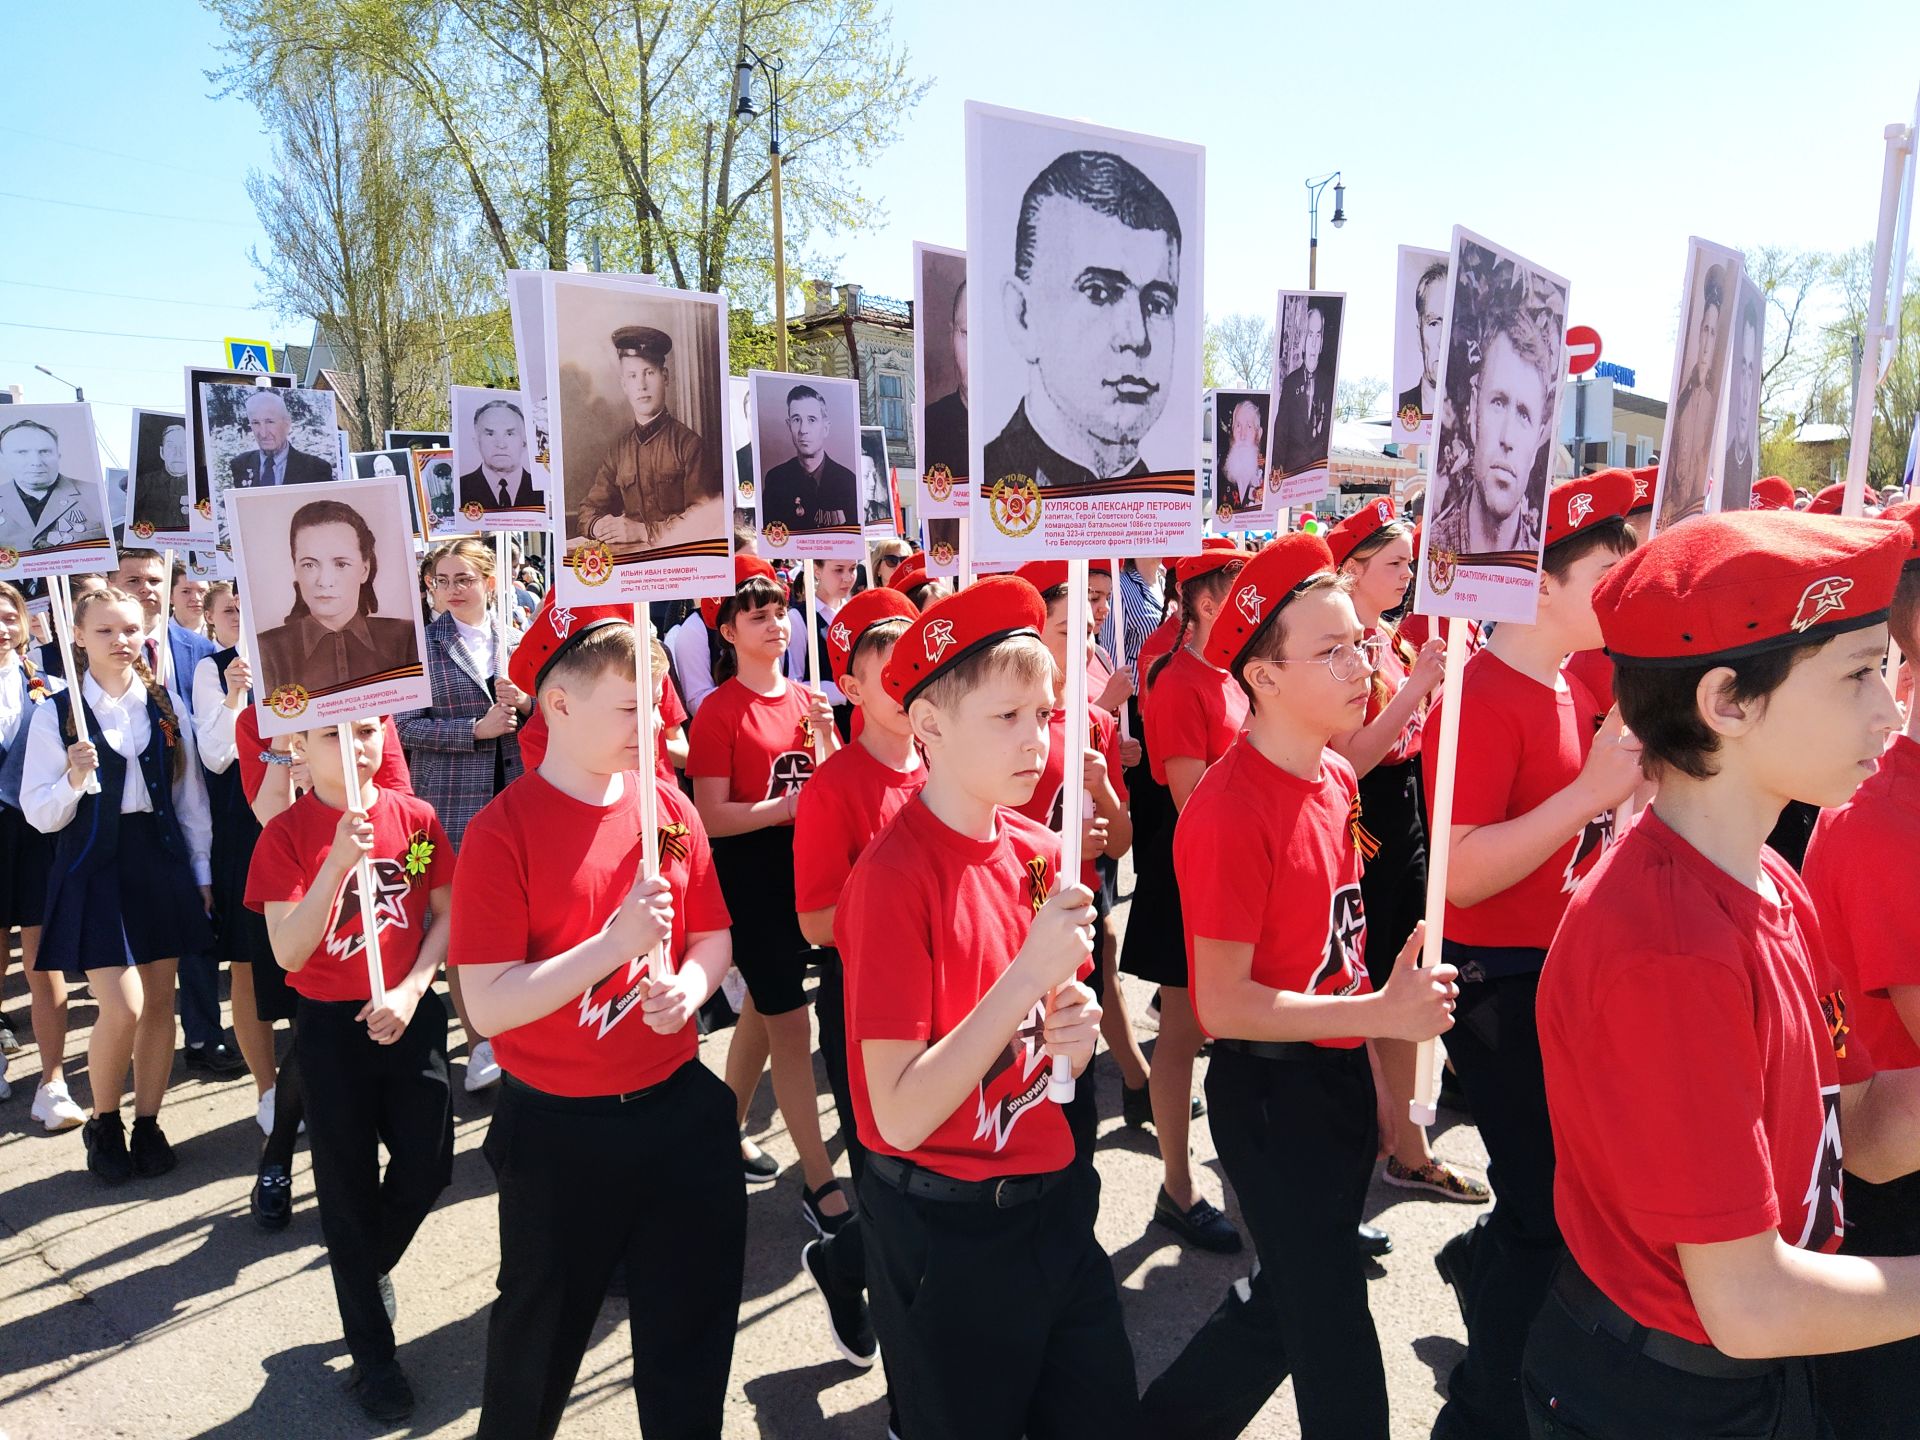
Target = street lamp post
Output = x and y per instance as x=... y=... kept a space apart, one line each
x=78 y=394
x=1314 y=187
x=751 y=60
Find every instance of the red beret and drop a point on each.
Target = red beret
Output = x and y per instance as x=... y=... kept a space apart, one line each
x=1643 y=482
x=1045 y=575
x=1344 y=538
x=910 y=572
x=1722 y=587
x=556 y=628
x=859 y=615
x=1216 y=551
x=1770 y=492
x=955 y=626
x=1261 y=588
x=1907 y=513
x=1574 y=505
x=1828 y=501
x=745 y=568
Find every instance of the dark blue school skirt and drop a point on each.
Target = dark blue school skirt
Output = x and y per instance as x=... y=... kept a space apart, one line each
x=141 y=906
x=26 y=855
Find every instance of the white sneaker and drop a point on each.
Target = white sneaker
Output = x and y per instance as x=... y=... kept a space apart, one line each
x=53 y=1107
x=482 y=1069
x=6 y=1090
x=263 y=1113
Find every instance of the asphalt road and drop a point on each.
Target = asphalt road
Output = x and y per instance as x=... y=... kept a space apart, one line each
x=160 y=1310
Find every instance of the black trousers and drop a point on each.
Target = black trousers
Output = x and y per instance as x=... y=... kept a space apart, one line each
x=1871 y=1394
x=1297 y=1138
x=1586 y=1385
x=360 y=1095
x=998 y=1324
x=587 y=1185
x=844 y=1250
x=1495 y=1047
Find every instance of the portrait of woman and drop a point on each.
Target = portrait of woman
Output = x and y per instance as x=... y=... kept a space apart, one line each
x=332 y=638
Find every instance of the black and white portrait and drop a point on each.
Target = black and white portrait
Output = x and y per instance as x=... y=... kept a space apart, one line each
x=435 y=491
x=806 y=463
x=1689 y=464
x=199 y=451
x=54 y=511
x=1504 y=359
x=492 y=454
x=637 y=385
x=1085 y=320
x=940 y=373
x=740 y=422
x=1419 y=303
x=328 y=586
x=161 y=503
x=260 y=439
x=1741 y=453
x=1306 y=350
x=377 y=464
x=880 y=511
x=1240 y=447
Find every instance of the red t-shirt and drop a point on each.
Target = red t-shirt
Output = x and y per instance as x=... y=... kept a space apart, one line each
x=533 y=735
x=412 y=857
x=1520 y=743
x=1044 y=805
x=539 y=873
x=1869 y=920
x=851 y=798
x=1196 y=711
x=1262 y=854
x=1393 y=675
x=1160 y=641
x=392 y=775
x=1595 y=670
x=1692 y=1070
x=759 y=744
x=928 y=921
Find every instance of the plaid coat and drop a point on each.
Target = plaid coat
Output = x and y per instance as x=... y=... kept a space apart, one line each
x=452 y=771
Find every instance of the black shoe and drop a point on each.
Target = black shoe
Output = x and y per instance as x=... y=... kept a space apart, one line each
x=1454 y=1261
x=152 y=1155
x=760 y=1167
x=824 y=1224
x=1202 y=1226
x=218 y=1058
x=105 y=1137
x=847 y=1314
x=1375 y=1243
x=1136 y=1107
x=272 y=1199
x=1453 y=1095
x=388 y=1300
x=383 y=1394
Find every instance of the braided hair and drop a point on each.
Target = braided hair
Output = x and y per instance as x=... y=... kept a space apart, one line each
x=1213 y=585
x=169 y=720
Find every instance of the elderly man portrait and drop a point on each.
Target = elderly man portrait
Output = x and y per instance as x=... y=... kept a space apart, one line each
x=501 y=480
x=274 y=459
x=1243 y=471
x=1300 y=429
x=652 y=474
x=811 y=491
x=161 y=493
x=1090 y=308
x=39 y=507
x=1496 y=490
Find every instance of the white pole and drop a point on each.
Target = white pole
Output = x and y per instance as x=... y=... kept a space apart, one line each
x=965 y=577
x=363 y=877
x=813 y=660
x=1877 y=330
x=662 y=957
x=62 y=597
x=503 y=589
x=1073 y=786
x=1439 y=849
x=163 y=672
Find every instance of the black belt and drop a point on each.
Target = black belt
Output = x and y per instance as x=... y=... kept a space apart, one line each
x=1003 y=1193
x=1281 y=1049
x=1595 y=1313
x=581 y=1104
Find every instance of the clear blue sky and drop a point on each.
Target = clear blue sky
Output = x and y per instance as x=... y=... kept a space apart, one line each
x=1593 y=139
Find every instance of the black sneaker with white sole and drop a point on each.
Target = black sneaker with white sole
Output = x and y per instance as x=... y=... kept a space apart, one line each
x=847 y=1315
x=824 y=1224
x=759 y=1168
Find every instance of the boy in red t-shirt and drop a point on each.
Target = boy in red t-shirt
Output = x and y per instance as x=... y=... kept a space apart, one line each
x=1533 y=803
x=993 y=1300
x=1276 y=943
x=1700 y=1060
x=612 y=1145
x=372 y=1075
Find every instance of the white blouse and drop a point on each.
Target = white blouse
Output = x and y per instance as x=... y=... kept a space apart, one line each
x=477 y=641
x=213 y=720
x=49 y=801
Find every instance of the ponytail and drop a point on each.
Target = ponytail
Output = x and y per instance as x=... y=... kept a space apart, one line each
x=1214 y=584
x=169 y=721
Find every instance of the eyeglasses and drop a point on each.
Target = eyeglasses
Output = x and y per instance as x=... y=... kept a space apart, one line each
x=1347 y=663
x=458 y=582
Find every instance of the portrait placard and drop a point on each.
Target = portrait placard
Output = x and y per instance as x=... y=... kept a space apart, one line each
x=525 y=299
x=197 y=448
x=492 y=458
x=641 y=454
x=55 y=514
x=1419 y=315
x=260 y=438
x=434 y=489
x=160 y=498
x=1085 y=319
x=372 y=464
x=940 y=539
x=1740 y=423
x=1504 y=360
x=328 y=602
x=940 y=377
x=879 y=500
x=740 y=423
x=806 y=466
x=1689 y=459
x=1306 y=360
x=1240 y=436
x=417 y=440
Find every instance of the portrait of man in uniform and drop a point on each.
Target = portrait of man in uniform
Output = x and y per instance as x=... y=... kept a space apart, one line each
x=655 y=471
x=810 y=490
x=162 y=495
x=1091 y=308
x=500 y=479
x=1307 y=343
x=40 y=507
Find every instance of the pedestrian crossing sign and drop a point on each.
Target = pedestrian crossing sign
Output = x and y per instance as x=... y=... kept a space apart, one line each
x=254 y=355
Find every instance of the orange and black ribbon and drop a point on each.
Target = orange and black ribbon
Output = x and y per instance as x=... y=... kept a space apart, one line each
x=1037 y=882
x=673 y=841
x=1363 y=838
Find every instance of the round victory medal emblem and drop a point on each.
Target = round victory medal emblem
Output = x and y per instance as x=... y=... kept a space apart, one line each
x=943 y=553
x=473 y=509
x=775 y=535
x=744 y=489
x=9 y=557
x=205 y=509
x=1224 y=514
x=1409 y=418
x=592 y=563
x=143 y=529
x=1014 y=505
x=288 y=701
x=1440 y=565
x=939 y=483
